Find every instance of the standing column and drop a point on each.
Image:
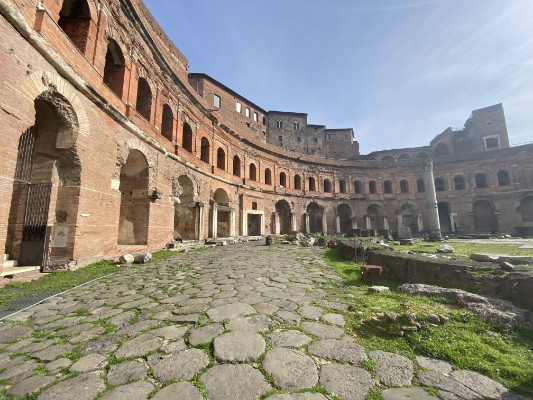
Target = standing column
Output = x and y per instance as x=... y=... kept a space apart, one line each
x=324 y=222
x=293 y=222
x=232 y=223
x=244 y=224
x=201 y=214
x=307 y=230
x=400 y=220
x=277 y=228
x=337 y=224
x=214 y=222
x=368 y=222
x=354 y=222
x=431 y=202
x=386 y=224
x=420 y=223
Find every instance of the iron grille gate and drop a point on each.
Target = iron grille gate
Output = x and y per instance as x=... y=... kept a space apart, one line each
x=36 y=216
x=26 y=153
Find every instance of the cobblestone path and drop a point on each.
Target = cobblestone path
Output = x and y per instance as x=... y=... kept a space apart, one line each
x=239 y=322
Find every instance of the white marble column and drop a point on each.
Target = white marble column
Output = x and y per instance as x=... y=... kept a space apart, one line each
x=386 y=224
x=214 y=221
x=244 y=224
x=368 y=222
x=431 y=202
x=354 y=222
x=232 y=223
x=201 y=214
x=337 y=224
x=400 y=220
x=420 y=221
x=293 y=222
x=307 y=230
x=324 y=223
x=277 y=227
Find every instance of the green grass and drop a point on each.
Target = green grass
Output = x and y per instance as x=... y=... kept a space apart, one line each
x=466 y=341
x=464 y=249
x=60 y=281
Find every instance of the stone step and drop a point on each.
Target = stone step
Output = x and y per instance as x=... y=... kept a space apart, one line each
x=10 y=263
x=18 y=271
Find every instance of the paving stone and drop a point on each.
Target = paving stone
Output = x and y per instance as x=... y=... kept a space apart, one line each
x=334 y=319
x=174 y=347
x=122 y=373
x=289 y=317
x=132 y=391
x=87 y=335
x=170 y=332
x=290 y=338
x=53 y=352
x=392 y=369
x=407 y=394
x=230 y=311
x=310 y=312
x=338 y=350
x=38 y=346
x=290 y=369
x=14 y=333
x=186 y=318
x=57 y=364
x=30 y=386
x=239 y=346
x=322 y=331
x=82 y=387
x=265 y=308
x=243 y=382
x=464 y=384
x=89 y=363
x=252 y=323
x=433 y=364
x=139 y=346
x=205 y=334
x=103 y=345
x=333 y=305
x=180 y=366
x=298 y=396
x=192 y=309
x=346 y=381
x=185 y=391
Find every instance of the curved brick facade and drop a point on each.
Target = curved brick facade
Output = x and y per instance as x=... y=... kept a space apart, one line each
x=109 y=146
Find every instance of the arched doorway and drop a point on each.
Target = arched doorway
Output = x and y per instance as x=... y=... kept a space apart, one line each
x=167 y=123
x=283 y=210
x=444 y=217
x=134 y=200
x=526 y=209
x=222 y=215
x=314 y=218
x=186 y=140
x=345 y=215
x=46 y=186
x=485 y=219
x=115 y=68
x=186 y=211
x=374 y=217
x=143 y=103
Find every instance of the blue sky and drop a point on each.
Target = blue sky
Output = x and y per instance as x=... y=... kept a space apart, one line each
x=397 y=71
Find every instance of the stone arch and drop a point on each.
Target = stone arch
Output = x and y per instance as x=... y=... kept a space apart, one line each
x=387 y=158
x=46 y=185
x=481 y=180
x=442 y=150
x=311 y=184
x=283 y=210
x=404 y=186
x=134 y=200
x=504 y=178
x=221 y=203
x=374 y=217
x=115 y=68
x=459 y=182
x=167 y=123
x=372 y=187
x=422 y=155
x=252 y=172
x=485 y=219
x=344 y=212
x=205 y=150
x=342 y=186
x=186 y=210
x=297 y=182
x=420 y=186
x=526 y=209
x=75 y=19
x=283 y=179
x=404 y=156
x=220 y=197
x=268 y=176
x=236 y=166
x=187 y=137
x=387 y=187
x=143 y=103
x=221 y=159
x=358 y=186
x=315 y=218
x=328 y=187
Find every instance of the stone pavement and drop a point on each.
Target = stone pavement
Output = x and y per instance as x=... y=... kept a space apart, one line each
x=238 y=322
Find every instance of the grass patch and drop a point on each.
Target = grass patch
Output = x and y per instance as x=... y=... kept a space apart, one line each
x=466 y=341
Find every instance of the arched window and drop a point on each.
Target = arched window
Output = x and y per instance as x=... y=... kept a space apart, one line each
x=387 y=187
x=358 y=186
x=481 y=181
x=167 y=123
x=186 y=141
x=236 y=166
x=404 y=186
x=205 y=150
x=296 y=125
x=440 y=186
x=115 y=68
x=503 y=178
x=388 y=158
x=328 y=186
x=311 y=184
x=342 y=186
x=144 y=99
x=75 y=21
x=420 y=187
x=404 y=156
x=221 y=159
x=372 y=187
x=253 y=172
x=268 y=176
x=297 y=182
x=459 y=183
x=422 y=155
x=279 y=124
x=442 y=150
x=283 y=179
